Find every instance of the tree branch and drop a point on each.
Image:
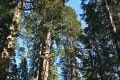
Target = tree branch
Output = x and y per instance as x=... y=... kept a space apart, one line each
x=28 y=1
x=27 y=9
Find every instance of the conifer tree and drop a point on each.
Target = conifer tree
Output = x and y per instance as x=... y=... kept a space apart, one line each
x=8 y=49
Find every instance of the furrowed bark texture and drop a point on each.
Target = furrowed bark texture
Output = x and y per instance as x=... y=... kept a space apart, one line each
x=73 y=68
x=72 y=64
x=44 y=58
x=8 y=50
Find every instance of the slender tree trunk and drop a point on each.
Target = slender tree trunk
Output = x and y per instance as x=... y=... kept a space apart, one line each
x=110 y=16
x=10 y=42
x=44 y=61
x=115 y=41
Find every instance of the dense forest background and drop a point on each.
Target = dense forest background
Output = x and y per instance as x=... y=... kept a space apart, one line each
x=45 y=40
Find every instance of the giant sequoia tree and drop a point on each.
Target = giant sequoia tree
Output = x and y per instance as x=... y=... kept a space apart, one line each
x=50 y=12
x=71 y=32
x=8 y=48
x=55 y=23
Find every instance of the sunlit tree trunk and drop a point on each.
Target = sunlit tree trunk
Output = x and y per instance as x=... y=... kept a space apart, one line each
x=10 y=42
x=44 y=58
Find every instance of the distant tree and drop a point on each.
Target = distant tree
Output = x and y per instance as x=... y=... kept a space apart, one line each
x=23 y=70
x=67 y=36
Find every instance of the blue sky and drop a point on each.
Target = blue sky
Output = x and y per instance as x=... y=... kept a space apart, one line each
x=75 y=4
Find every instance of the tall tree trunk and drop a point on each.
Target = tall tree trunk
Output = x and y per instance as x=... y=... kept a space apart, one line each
x=110 y=16
x=73 y=73
x=10 y=42
x=115 y=41
x=73 y=67
x=44 y=58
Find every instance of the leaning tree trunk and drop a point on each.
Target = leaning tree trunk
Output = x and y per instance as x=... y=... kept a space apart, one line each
x=110 y=16
x=10 y=41
x=44 y=61
x=115 y=41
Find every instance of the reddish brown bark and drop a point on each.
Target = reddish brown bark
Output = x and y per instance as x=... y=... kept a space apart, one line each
x=44 y=61
x=73 y=68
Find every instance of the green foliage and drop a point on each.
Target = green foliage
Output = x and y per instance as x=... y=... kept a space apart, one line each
x=6 y=7
x=71 y=24
x=62 y=52
x=53 y=75
x=99 y=51
x=50 y=9
x=34 y=27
